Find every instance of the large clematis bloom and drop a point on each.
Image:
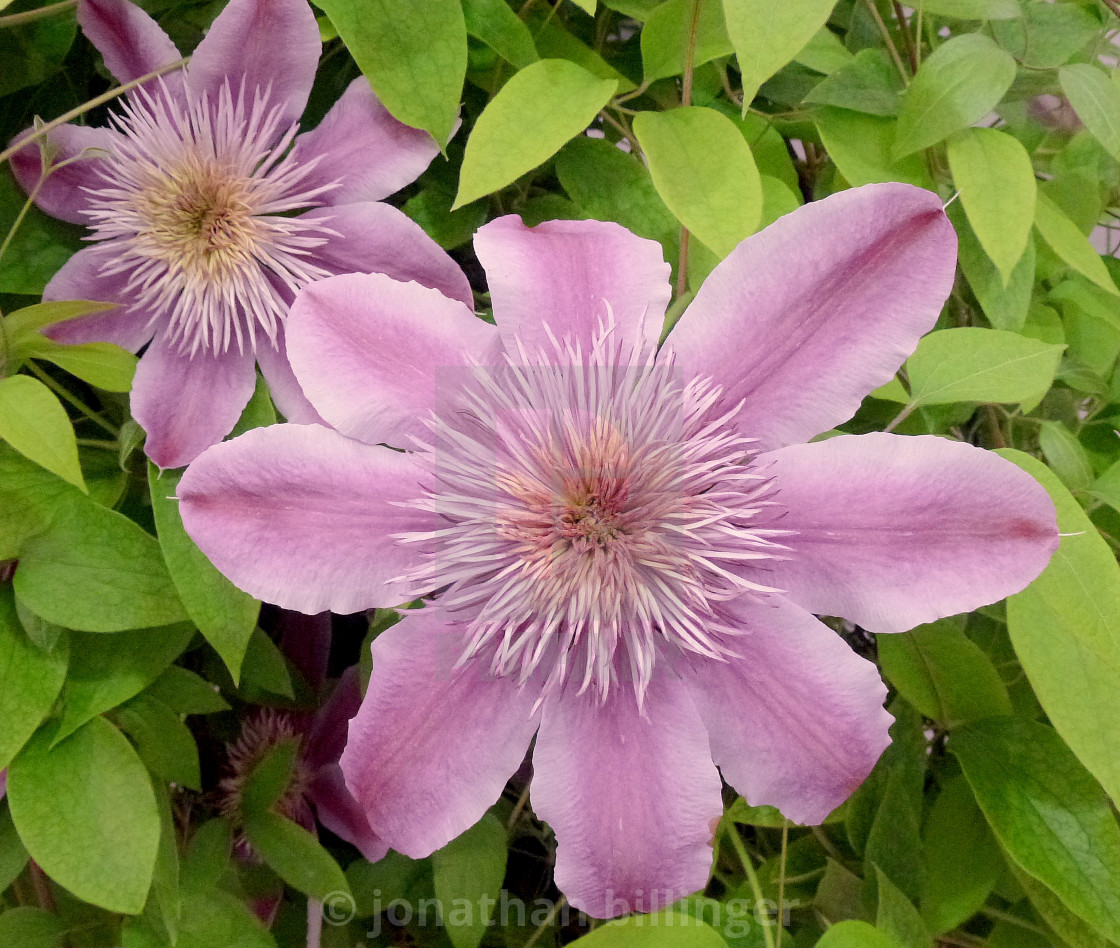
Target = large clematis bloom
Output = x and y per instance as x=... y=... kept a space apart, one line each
x=208 y=212
x=626 y=545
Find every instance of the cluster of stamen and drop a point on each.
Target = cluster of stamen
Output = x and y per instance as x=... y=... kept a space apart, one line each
x=262 y=733
x=597 y=512
x=192 y=202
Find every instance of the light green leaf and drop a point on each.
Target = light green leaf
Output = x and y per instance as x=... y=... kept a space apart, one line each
x=553 y=97
x=29 y=927
x=665 y=37
x=97 y=571
x=853 y=934
x=22 y=325
x=414 y=56
x=86 y=812
x=1069 y=926
x=553 y=41
x=215 y=919
x=30 y=680
x=1095 y=97
x=868 y=83
x=1074 y=674
x=973 y=9
x=980 y=365
x=670 y=928
x=825 y=52
x=295 y=855
x=162 y=740
x=1065 y=455
x=1063 y=237
x=962 y=859
x=587 y=6
x=186 y=693
x=704 y=171
x=960 y=83
x=13 y=855
x=1048 y=812
x=471 y=868
x=264 y=667
x=997 y=188
x=107 y=670
x=767 y=35
x=1006 y=306
x=1049 y=34
x=102 y=364
x=224 y=614
x=493 y=22
x=943 y=674
x=777 y=200
x=33 y=421
x=861 y=147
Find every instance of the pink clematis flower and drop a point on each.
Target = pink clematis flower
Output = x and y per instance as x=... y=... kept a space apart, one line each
x=191 y=201
x=626 y=546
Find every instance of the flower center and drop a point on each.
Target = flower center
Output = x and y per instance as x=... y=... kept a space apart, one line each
x=597 y=512
x=192 y=208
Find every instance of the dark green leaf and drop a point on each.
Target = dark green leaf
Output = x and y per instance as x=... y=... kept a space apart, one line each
x=897 y=916
x=187 y=693
x=264 y=668
x=29 y=927
x=13 y=855
x=295 y=855
x=493 y=22
x=40 y=247
x=162 y=740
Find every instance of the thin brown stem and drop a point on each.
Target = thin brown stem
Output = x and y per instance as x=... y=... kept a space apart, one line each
x=30 y=16
x=889 y=40
x=1113 y=5
x=43 y=893
x=904 y=32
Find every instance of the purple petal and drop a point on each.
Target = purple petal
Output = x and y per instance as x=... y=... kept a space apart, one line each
x=268 y=44
x=573 y=277
x=630 y=796
x=379 y=238
x=327 y=736
x=805 y=318
x=3 y=783
x=361 y=145
x=282 y=383
x=131 y=42
x=432 y=749
x=339 y=812
x=893 y=531
x=798 y=721
x=186 y=404
x=80 y=279
x=300 y=516
x=367 y=351
x=62 y=194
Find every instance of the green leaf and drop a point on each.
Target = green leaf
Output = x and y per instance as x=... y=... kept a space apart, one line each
x=162 y=740
x=415 y=57
x=861 y=147
x=471 y=868
x=943 y=674
x=295 y=855
x=165 y=906
x=553 y=41
x=670 y=928
x=704 y=171
x=854 y=934
x=30 y=680
x=102 y=364
x=1065 y=455
x=22 y=327
x=259 y=412
x=493 y=22
x=1050 y=815
x=216 y=919
x=270 y=778
x=33 y=51
x=1049 y=34
x=1006 y=306
x=107 y=670
x=1074 y=674
x=86 y=812
x=980 y=365
x=1095 y=97
x=962 y=859
x=224 y=614
x=29 y=927
x=1091 y=321
x=825 y=52
x=866 y=84
x=264 y=668
x=377 y=884
x=13 y=855
x=665 y=37
x=555 y=98
x=960 y=83
x=1070 y=927
x=33 y=421
x=40 y=246
x=1072 y=246
x=431 y=209
x=897 y=916
x=974 y=9
x=767 y=35
x=997 y=187
x=97 y=571
x=186 y=693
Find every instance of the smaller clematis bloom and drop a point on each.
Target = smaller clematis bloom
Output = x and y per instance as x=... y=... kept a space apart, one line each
x=625 y=545
x=208 y=210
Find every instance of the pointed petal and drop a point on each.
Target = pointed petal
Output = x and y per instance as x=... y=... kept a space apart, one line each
x=62 y=194
x=131 y=42
x=378 y=238
x=797 y=722
x=339 y=812
x=80 y=279
x=432 y=749
x=300 y=516
x=362 y=146
x=630 y=797
x=572 y=276
x=368 y=352
x=893 y=531
x=805 y=318
x=283 y=386
x=186 y=404
x=327 y=736
x=268 y=44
